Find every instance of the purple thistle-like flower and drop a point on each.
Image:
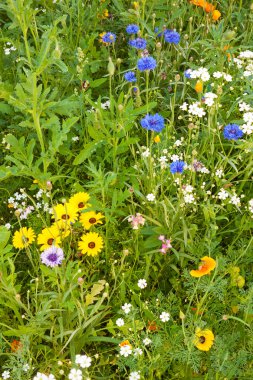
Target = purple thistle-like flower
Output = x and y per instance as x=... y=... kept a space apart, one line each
x=153 y=122
x=130 y=77
x=138 y=43
x=132 y=29
x=52 y=256
x=146 y=63
x=171 y=36
x=232 y=132
x=109 y=37
x=177 y=167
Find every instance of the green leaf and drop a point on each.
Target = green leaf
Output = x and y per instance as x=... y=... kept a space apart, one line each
x=4 y=237
x=85 y=153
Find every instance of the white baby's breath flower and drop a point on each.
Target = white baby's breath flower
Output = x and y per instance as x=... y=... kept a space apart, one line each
x=126 y=308
x=142 y=283
x=138 y=351
x=150 y=197
x=6 y=375
x=125 y=350
x=135 y=375
x=222 y=194
x=83 y=360
x=146 y=341
x=75 y=374
x=165 y=317
x=219 y=173
x=120 y=322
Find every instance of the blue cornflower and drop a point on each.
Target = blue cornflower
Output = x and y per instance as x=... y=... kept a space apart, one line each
x=171 y=36
x=130 y=76
x=232 y=132
x=153 y=122
x=132 y=29
x=138 y=43
x=187 y=73
x=146 y=63
x=177 y=167
x=109 y=37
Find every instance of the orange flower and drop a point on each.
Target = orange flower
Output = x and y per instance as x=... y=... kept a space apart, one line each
x=216 y=15
x=16 y=345
x=152 y=326
x=207 y=265
x=125 y=343
x=199 y=86
x=209 y=7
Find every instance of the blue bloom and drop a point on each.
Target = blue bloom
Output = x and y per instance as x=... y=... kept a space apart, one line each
x=138 y=43
x=232 y=132
x=187 y=73
x=177 y=167
x=156 y=30
x=153 y=122
x=171 y=36
x=132 y=29
x=146 y=63
x=109 y=37
x=130 y=76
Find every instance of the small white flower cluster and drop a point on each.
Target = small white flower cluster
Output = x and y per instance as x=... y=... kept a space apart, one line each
x=75 y=374
x=222 y=194
x=234 y=198
x=125 y=350
x=19 y=202
x=145 y=152
x=245 y=61
x=126 y=308
x=201 y=73
x=188 y=192
x=196 y=109
x=209 y=98
x=165 y=317
x=247 y=128
x=9 y=48
x=6 y=375
x=42 y=376
x=163 y=162
x=135 y=375
x=218 y=75
x=219 y=173
x=150 y=197
x=251 y=206
x=83 y=361
x=198 y=166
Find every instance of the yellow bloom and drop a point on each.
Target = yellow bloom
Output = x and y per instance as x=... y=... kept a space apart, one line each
x=125 y=343
x=62 y=228
x=65 y=212
x=203 y=339
x=91 y=244
x=199 y=86
x=207 y=265
x=157 y=139
x=89 y=219
x=216 y=15
x=135 y=5
x=79 y=201
x=48 y=237
x=23 y=238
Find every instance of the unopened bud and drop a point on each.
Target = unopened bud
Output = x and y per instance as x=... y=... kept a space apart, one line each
x=177 y=77
x=111 y=67
x=120 y=107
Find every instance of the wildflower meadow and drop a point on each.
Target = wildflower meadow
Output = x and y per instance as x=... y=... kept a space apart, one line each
x=126 y=169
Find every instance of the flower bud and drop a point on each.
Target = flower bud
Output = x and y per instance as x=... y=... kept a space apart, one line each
x=111 y=67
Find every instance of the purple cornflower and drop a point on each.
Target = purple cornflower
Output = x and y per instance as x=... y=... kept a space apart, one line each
x=138 y=43
x=132 y=29
x=232 y=132
x=146 y=63
x=52 y=256
x=171 y=36
x=109 y=37
x=177 y=167
x=130 y=76
x=153 y=122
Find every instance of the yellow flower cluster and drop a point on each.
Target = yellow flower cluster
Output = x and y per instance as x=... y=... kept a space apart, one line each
x=64 y=215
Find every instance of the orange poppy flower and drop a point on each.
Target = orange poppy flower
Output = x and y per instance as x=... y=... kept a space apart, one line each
x=152 y=326
x=216 y=15
x=209 y=7
x=207 y=265
x=199 y=86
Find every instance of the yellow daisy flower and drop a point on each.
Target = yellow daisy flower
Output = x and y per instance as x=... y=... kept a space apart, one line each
x=62 y=227
x=79 y=201
x=48 y=237
x=91 y=244
x=23 y=238
x=65 y=212
x=89 y=219
x=203 y=339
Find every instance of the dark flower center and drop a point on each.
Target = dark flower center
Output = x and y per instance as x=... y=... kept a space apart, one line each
x=80 y=205
x=50 y=241
x=92 y=244
x=92 y=220
x=52 y=257
x=202 y=339
x=65 y=216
